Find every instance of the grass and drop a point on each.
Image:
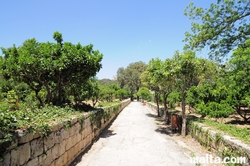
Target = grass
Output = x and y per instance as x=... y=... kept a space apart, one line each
x=33 y=119
x=230 y=129
x=108 y=104
x=240 y=133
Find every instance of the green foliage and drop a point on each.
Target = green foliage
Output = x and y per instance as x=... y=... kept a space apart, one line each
x=107 y=92
x=108 y=104
x=241 y=133
x=26 y=119
x=239 y=79
x=143 y=93
x=222 y=27
x=12 y=100
x=214 y=109
x=52 y=67
x=173 y=99
x=129 y=78
x=122 y=94
x=106 y=81
x=104 y=113
x=96 y=118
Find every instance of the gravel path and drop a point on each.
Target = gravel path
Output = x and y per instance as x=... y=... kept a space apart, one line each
x=133 y=140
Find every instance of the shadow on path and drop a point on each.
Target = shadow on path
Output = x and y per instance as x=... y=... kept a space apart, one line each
x=162 y=126
x=107 y=133
x=104 y=134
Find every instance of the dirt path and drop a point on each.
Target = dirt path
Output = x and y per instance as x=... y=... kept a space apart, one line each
x=137 y=138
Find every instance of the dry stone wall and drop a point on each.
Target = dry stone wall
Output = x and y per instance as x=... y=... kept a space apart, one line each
x=63 y=145
x=217 y=142
x=220 y=143
x=154 y=107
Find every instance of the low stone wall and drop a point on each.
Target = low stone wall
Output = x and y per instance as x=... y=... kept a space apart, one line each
x=153 y=106
x=63 y=145
x=219 y=143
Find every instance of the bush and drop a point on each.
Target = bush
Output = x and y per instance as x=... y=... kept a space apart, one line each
x=216 y=110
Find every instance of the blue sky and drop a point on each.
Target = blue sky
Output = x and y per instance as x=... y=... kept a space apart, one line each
x=124 y=31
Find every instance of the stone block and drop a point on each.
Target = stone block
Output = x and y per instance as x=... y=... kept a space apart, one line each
x=89 y=138
x=87 y=122
x=89 y=130
x=59 y=161
x=61 y=147
x=49 y=157
x=74 y=140
x=65 y=158
x=69 y=143
x=49 y=141
x=71 y=131
x=25 y=138
x=37 y=134
x=56 y=151
x=32 y=162
x=60 y=125
x=21 y=155
x=6 y=159
x=70 y=155
x=52 y=164
x=78 y=137
x=64 y=134
x=36 y=148
x=42 y=159
x=58 y=137
x=82 y=144
x=55 y=127
x=74 y=120
x=78 y=148
x=82 y=133
x=78 y=128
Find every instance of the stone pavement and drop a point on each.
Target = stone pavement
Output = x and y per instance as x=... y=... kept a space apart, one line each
x=133 y=140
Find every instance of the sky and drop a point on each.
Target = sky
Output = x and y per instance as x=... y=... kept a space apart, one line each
x=124 y=31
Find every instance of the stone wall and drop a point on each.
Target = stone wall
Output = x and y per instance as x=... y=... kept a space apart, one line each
x=219 y=143
x=154 y=107
x=64 y=144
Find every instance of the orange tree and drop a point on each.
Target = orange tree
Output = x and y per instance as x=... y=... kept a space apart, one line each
x=61 y=69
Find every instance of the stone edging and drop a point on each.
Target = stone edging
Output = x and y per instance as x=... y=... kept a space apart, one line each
x=63 y=145
x=217 y=142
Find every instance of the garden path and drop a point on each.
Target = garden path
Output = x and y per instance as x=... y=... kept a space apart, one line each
x=134 y=139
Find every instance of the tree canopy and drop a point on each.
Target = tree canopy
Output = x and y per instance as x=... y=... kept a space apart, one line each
x=129 y=78
x=222 y=27
x=59 y=68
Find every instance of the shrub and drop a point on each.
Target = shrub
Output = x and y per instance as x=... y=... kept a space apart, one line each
x=214 y=109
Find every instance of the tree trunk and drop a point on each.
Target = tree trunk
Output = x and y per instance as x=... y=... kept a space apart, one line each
x=165 y=96
x=183 y=104
x=39 y=98
x=157 y=103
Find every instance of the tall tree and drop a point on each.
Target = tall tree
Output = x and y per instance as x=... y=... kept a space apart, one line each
x=239 y=79
x=129 y=78
x=149 y=80
x=223 y=26
x=56 y=67
x=187 y=69
x=167 y=82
